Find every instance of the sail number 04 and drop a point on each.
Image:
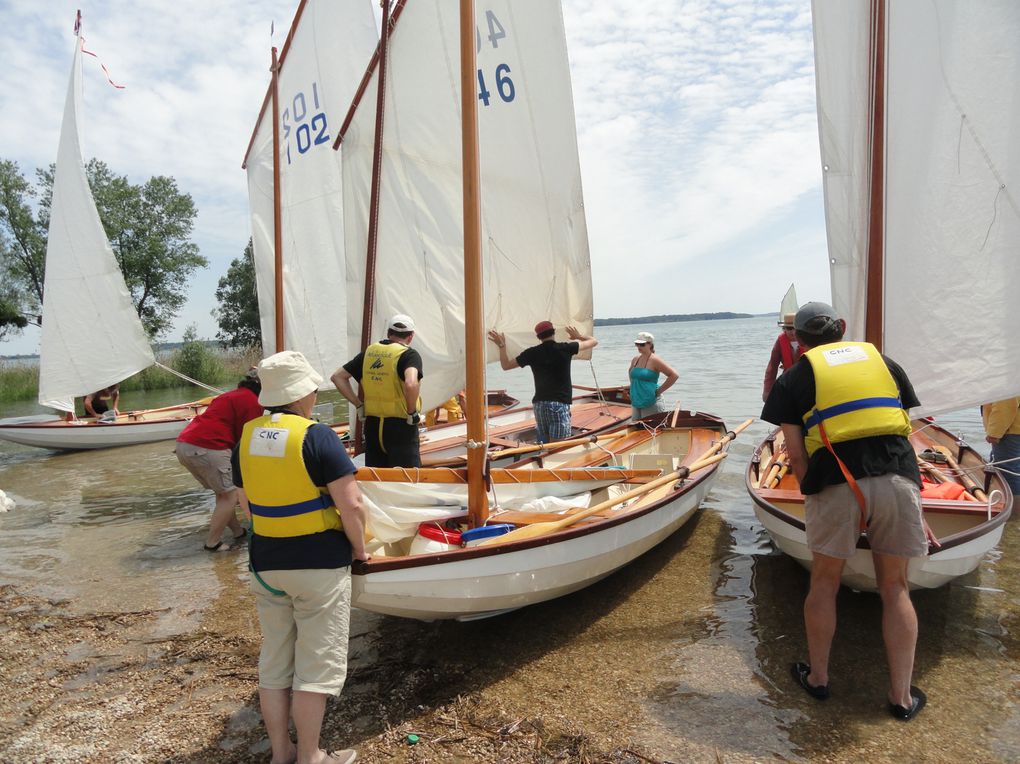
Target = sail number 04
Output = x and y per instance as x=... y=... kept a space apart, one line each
x=309 y=129
x=504 y=84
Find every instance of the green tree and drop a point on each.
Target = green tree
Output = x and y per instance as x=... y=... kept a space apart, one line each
x=237 y=313
x=149 y=227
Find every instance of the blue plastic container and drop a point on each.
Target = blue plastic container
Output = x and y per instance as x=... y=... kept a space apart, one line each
x=475 y=536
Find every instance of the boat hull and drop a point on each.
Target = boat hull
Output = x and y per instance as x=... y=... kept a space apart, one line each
x=476 y=587
x=135 y=428
x=967 y=530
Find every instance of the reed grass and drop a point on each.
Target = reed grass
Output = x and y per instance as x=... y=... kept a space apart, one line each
x=20 y=381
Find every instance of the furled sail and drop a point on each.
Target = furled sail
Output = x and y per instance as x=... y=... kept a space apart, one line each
x=534 y=237
x=951 y=202
x=91 y=334
x=329 y=47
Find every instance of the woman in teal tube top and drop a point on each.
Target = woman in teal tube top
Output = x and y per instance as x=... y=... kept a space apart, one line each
x=645 y=368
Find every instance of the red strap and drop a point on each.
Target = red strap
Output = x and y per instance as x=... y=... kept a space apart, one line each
x=849 y=478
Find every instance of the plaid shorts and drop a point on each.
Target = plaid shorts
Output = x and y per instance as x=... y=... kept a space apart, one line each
x=552 y=421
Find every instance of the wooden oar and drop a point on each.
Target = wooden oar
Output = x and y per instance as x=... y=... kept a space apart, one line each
x=711 y=456
x=541 y=529
x=499 y=454
x=966 y=479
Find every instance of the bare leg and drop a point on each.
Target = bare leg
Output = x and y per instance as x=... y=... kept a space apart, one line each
x=899 y=624
x=276 y=715
x=308 y=709
x=223 y=516
x=820 y=614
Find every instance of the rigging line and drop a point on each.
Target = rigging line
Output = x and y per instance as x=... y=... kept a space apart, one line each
x=186 y=378
x=995 y=214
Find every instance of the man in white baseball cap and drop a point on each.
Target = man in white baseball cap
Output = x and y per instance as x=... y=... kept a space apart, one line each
x=389 y=374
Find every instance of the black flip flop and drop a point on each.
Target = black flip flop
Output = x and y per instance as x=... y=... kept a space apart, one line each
x=800 y=672
x=214 y=548
x=917 y=701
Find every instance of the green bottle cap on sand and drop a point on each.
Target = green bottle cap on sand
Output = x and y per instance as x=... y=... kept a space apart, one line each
x=412 y=739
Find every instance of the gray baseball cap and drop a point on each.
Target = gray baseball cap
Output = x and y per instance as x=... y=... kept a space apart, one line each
x=815 y=318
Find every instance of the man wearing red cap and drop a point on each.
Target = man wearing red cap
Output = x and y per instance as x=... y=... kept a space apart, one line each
x=550 y=365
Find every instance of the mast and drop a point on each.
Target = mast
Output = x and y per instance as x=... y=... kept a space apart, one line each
x=277 y=213
x=874 y=318
x=473 y=307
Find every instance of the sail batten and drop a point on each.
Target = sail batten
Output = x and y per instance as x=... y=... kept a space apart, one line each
x=91 y=334
x=952 y=223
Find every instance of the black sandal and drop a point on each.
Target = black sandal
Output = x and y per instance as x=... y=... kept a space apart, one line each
x=917 y=701
x=800 y=672
x=215 y=548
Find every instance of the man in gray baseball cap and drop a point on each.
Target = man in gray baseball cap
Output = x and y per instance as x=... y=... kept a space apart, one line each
x=844 y=418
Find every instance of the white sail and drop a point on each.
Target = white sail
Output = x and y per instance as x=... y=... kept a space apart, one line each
x=91 y=334
x=534 y=237
x=789 y=303
x=331 y=42
x=952 y=212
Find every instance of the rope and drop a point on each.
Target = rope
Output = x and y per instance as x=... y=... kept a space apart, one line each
x=188 y=379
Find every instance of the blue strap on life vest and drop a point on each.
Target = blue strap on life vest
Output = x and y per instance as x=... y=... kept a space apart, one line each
x=323 y=501
x=817 y=417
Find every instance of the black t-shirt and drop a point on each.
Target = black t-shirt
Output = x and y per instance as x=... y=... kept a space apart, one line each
x=793 y=395
x=408 y=359
x=550 y=366
x=325 y=460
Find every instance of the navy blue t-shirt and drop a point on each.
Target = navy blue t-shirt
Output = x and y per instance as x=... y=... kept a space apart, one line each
x=326 y=460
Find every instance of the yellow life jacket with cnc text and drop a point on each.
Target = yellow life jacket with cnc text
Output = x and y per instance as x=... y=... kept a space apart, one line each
x=855 y=395
x=283 y=499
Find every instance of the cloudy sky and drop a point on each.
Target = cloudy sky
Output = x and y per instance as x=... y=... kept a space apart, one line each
x=695 y=119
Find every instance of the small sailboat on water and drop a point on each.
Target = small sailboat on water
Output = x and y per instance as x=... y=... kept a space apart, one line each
x=920 y=164
x=91 y=334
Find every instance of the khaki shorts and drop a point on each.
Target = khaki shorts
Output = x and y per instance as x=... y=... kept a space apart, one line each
x=210 y=468
x=833 y=518
x=304 y=632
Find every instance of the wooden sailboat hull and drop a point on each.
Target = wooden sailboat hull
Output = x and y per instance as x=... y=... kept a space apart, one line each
x=967 y=530
x=129 y=429
x=478 y=582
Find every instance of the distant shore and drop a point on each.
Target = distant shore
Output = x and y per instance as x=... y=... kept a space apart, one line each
x=674 y=317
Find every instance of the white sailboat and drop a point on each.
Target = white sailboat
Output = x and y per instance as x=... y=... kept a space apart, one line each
x=91 y=334
x=466 y=243
x=920 y=166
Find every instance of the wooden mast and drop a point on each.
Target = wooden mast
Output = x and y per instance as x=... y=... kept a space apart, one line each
x=277 y=215
x=874 y=318
x=473 y=304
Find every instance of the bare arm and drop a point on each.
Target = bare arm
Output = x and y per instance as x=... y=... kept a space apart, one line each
x=771 y=372
x=412 y=388
x=89 y=411
x=114 y=401
x=347 y=497
x=341 y=379
x=583 y=342
x=795 y=449
x=664 y=368
x=504 y=360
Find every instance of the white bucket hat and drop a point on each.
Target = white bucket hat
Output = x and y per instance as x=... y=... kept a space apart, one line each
x=286 y=377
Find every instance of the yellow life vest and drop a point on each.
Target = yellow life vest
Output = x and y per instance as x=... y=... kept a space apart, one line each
x=855 y=395
x=283 y=499
x=383 y=387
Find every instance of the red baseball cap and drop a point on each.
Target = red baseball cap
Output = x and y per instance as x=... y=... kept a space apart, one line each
x=542 y=327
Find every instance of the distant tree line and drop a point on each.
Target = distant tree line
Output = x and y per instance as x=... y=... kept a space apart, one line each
x=669 y=318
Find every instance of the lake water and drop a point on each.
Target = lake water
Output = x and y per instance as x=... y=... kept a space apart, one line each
x=695 y=639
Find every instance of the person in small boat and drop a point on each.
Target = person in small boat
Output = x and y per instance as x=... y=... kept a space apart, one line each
x=786 y=351
x=843 y=413
x=550 y=366
x=204 y=447
x=308 y=524
x=101 y=401
x=1002 y=430
x=454 y=407
x=645 y=368
x=389 y=375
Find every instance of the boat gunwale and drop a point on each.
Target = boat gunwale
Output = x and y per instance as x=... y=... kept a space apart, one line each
x=688 y=484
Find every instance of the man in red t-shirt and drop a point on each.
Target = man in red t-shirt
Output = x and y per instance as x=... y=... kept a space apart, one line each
x=786 y=351
x=204 y=448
